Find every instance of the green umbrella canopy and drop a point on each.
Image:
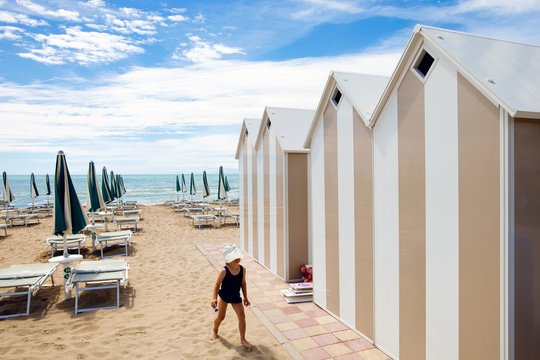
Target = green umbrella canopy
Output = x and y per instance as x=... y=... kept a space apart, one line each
x=206 y=189
x=119 y=189
x=177 y=184
x=8 y=194
x=122 y=187
x=184 y=187
x=68 y=215
x=114 y=194
x=48 y=185
x=222 y=194
x=227 y=186
x=192 y=189
x=34 y=193
x=94 y=200
x=105 y=188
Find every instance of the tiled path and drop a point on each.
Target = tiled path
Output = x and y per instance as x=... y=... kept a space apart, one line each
x=304 y=330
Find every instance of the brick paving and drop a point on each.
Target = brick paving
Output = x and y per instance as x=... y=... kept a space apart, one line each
x=305 y=330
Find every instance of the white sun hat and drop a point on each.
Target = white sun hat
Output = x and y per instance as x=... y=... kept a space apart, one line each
x=231 y=253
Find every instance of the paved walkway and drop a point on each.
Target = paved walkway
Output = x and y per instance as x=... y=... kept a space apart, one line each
x=304 y=330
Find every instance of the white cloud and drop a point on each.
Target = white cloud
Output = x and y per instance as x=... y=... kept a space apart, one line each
x=177 y=18
x=41 y=10
x=82 y=47
x=199 y=19
x=10 y=33
x=499 y=7
x=203 y=51
x=95 y=3
x=14 y=18
x=202 y=104
x=177 y=10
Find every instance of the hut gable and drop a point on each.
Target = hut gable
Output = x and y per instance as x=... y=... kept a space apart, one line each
x=290 y=127
x=505 y=72
x=250 y=127
x=362 y=90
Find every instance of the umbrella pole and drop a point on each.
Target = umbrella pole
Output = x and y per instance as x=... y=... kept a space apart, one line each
x=67 y=269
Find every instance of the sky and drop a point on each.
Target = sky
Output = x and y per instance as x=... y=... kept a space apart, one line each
x=149 y=86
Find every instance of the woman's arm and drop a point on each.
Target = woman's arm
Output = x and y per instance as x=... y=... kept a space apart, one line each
x=219 y=280
x=244 y=289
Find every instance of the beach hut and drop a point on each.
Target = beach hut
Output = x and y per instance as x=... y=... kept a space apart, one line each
x=247 y=180
x=280 y=240
x=455 y=171
x=341 y=221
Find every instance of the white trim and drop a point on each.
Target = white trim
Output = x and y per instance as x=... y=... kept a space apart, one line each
x=250 y=221
x=242 y=194
x=260 y=202
x=273 y=201
x=286 y=217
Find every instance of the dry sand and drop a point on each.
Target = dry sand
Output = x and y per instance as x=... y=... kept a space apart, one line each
x=164 y=312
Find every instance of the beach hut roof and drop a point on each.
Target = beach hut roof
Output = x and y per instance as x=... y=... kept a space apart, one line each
x=362 y=90
x=506 y=72
x=289 y=125
x=252 y=126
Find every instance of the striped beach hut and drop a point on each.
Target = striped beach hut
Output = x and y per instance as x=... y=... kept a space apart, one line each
x=341 y=205
x=281 y=242
x=455 y=143
x=247 y=180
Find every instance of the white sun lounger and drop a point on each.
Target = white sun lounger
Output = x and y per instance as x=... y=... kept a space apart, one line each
x=73 y=241
x=235 y=218
x=110 y=273
x=113 y=238
x=206 y=219
x=4 y=226
x=132 y=212
x=25 y=218
x=120 y=221
x=193 y=210
x=31 y=276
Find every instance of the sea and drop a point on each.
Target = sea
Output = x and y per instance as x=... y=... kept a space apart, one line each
x=149 y=189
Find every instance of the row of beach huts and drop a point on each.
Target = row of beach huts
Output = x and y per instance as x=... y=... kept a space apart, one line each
x=415 y=198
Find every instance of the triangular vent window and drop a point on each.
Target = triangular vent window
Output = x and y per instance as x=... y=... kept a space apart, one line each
x=337 y=97
x=423 y=64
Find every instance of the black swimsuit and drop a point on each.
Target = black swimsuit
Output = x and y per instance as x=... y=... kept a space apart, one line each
x=230 y=286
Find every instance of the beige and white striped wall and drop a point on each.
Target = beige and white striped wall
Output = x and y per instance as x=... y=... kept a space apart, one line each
x=424 y=216
x=274 y=192
x=247 y=157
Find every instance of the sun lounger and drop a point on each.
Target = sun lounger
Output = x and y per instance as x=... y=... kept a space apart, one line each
x=73 y=241
x=4 y=226
x=24 y=218
x=203 y=219
x=120 y=221
x=110 y=273
x=235 y=218
x=193 y=210
x=132 y=212
x=113 y=238
x=31 y=276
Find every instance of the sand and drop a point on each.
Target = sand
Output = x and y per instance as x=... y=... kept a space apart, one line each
x=164 y=312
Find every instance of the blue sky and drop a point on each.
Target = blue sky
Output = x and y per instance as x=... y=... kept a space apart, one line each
x=163 y=86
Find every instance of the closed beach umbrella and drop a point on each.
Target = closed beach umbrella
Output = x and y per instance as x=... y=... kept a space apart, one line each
x=177 y=187
x=33 y=188
x=184 y=187
x=122 y=187
x=105 y=188
x=8 y=195
x=227 y=186
x=94 y=200
x=68 y=215
x=119 y=191
x=114 y=194
x=48 y=185
x=222 y=194
x=205 y=188
x=192 y=189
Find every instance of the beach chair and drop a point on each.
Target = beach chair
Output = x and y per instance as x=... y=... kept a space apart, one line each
x=132 y=213
x=4 y=226
x=234 y=217
x=122 y=221
x=100 y=274
x=31 y=276
x=203 y=219
x=193 y=210
x=73 y=241
x=113 y=238
x=23 y=218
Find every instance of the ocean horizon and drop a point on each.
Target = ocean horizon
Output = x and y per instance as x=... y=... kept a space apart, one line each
x=146 y=189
